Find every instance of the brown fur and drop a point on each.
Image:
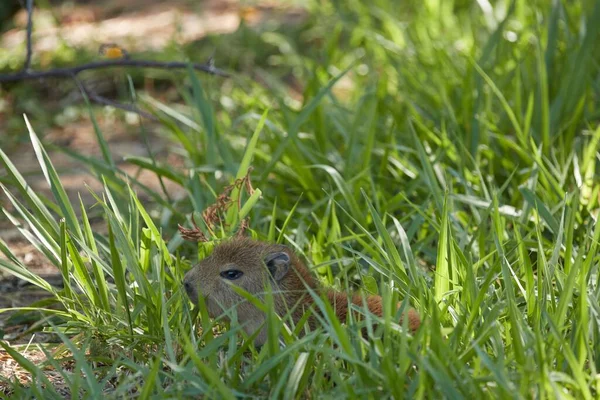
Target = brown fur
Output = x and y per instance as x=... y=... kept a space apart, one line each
x=290 y=293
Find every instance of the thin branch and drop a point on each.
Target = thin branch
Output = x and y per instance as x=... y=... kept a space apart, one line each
x=27 y=64
x=108 y=102
x=70 y=72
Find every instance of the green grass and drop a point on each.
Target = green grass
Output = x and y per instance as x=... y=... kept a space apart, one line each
x=458 y=171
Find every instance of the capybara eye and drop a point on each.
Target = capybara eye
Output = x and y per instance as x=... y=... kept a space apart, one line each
x=232 y=274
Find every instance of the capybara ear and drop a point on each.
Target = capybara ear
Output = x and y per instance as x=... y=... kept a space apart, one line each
x=278 y=264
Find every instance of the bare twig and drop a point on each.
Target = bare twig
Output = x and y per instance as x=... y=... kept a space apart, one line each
x=103 y=100
x=131 y=108
x=27 y=64
x=71 y=71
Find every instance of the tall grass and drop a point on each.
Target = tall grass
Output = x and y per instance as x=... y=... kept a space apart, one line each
x=443 y=153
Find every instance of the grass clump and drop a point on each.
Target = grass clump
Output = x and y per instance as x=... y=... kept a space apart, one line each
x=444 y=153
